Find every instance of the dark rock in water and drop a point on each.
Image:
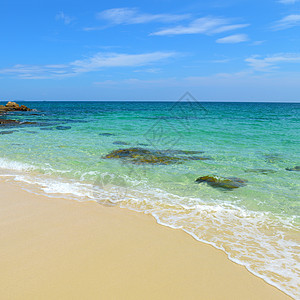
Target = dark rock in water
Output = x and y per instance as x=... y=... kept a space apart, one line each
x=46 y=128
x=4 y=122
x=227 y=183
x=262 y=171
x=297 y=168
x=272 y=158
x=197 y=158
x=63 y=127
x=142 y=144
x=106 y=134
x=143 y=156
x=120 y=143
x=7 y=132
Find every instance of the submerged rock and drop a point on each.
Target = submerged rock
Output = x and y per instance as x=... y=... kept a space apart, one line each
x=227 y=183
x=142 y=156
x=120 y=143
x=262 y=171
x=197 y=158
x=46 y=128
x=7 y=132
x=106 y=134
x=63 y=127
x=272 y=158
x=297 y=168
x=146 y=156
x=5 y=122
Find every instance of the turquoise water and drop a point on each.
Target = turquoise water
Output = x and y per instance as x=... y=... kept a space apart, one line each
x=257 y=225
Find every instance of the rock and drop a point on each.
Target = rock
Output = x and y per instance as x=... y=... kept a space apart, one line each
x=262 y=171
x=63 y=127
x=297 y=168
x=12 y=105
x=24 y=108
x=46 y=128
x=4 y=122
x=197 y=158
x=106 y=134
x=142 y=156
x=272 y=158
x=227 y=183
x=146 y=156
x=120 y=143
x=7 y=132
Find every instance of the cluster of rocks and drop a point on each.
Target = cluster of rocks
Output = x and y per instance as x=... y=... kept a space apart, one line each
x=154 y=157
x=160 y=157
x=13 y=106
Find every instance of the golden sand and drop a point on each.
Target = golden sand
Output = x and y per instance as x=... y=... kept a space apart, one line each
x=61 y=249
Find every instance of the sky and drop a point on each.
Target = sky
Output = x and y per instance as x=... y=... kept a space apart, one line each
x=218 y=50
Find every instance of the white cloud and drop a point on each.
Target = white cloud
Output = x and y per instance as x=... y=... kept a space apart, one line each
x=102 y=60
x=206 y=25
x=127 y=15
x=269 y=63
x=287 y=22
x=62 y=16
x=94 y=63
x=233 y=39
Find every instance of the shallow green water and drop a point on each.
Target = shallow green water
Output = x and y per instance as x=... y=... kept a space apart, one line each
x=257 y=225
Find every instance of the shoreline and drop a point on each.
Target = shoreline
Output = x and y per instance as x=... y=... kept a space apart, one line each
x=58 y=248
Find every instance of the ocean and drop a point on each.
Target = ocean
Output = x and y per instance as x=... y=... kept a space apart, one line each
x=70 y=151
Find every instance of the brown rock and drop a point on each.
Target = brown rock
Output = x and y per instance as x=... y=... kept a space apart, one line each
x=4 y=122
x=12 y=105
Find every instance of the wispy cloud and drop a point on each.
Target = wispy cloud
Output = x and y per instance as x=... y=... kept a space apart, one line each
x=128 y=15
x=63 y=17
x=287 y=22
x=94 y=63
x=206 y=25
x=287 y=1
x=269 y=63
x=233 y=39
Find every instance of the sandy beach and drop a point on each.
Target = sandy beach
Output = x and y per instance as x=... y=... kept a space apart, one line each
x=61 y=249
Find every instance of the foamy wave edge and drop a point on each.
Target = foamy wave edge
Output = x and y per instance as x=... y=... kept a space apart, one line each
x=81 y=192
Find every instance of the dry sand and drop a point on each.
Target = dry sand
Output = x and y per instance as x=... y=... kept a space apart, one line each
x=61 y=249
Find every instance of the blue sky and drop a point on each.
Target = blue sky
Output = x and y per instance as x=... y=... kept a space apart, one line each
x=219 y=50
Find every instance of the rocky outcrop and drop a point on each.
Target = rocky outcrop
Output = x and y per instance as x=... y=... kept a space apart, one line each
x=13 y=106
x=227 y=183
